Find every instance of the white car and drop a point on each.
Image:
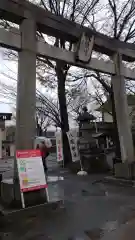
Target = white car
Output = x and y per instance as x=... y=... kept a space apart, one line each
x=39 y=139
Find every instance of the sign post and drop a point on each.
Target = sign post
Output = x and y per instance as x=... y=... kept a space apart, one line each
x=31 y=172
x=72 y=138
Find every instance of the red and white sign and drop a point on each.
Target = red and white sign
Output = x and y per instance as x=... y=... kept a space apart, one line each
x=59 y=146
x=31 y=171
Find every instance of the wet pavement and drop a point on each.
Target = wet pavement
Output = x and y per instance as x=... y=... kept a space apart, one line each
x=91 y=210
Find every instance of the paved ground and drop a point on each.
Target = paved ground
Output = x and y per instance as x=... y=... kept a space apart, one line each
x=93 y=210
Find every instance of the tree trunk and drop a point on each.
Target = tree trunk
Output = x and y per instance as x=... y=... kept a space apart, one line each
x=63 y=112
x=116 y=134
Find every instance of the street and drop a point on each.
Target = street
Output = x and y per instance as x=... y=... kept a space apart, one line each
x=92 y=210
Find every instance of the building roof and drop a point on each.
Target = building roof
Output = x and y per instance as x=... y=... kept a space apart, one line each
x=107 y=106
x=5 y=109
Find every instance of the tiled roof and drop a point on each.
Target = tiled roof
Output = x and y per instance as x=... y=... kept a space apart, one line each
x=107 y=106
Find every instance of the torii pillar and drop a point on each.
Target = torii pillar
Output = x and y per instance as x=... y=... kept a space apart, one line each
x=121 y=107
x=26 y=87
x=26 y=100
x=25 y=110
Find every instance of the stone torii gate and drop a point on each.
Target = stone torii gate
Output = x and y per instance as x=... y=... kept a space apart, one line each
x=31 y=18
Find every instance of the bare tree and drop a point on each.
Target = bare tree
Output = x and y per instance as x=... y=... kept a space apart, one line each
x=47 y=112
x=55 y=74
x=119 y=24
x=42 y=123
x=77 y=98
x=77 y=11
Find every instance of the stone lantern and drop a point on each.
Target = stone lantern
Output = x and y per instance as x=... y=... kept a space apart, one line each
x=86 y=141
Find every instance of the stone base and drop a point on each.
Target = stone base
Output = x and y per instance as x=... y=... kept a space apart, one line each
x=10 y=195
x=123 y=170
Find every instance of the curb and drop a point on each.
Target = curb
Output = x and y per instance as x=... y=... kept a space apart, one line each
x=119 y=181
x=10 y=218
x=38 y=210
